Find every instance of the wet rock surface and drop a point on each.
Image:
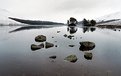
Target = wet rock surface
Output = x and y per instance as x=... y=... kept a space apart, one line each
x=36 y=47
x=48 y=45
x=88 y=55
x=71 y=58
x=86 y=46
x=40 y=38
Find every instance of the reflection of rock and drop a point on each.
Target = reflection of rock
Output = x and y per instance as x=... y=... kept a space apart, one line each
x=72 y=29
x=87 y=29
x=40 y=38
x=71 y=58
x=85 y=46
x=71 y=45
x=70 y=36
x=56 y=45
x=65 y=35
x=92 y=29
x=48 y=45
x=88 y=56
x=36 y=47
x=53 y=57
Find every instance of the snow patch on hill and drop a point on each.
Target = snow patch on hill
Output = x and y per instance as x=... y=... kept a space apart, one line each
x=4 y=14
x=112 y=16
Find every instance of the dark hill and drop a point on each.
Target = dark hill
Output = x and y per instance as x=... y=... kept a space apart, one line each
x=34 y=22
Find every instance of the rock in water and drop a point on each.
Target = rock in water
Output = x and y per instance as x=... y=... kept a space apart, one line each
x=35 y=47
x=88 y=56
x=71 y=58
x=48 y=45
x=40 y=38
x=71 y=45
x=53 y=57
x=86 y=46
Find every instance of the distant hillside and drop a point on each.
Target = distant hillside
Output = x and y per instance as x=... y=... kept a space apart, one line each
x=34 y=22
x=111 y=19
x=4 y=14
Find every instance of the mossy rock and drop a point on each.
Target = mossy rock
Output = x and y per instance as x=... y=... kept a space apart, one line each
x=36 y=47
x=40 y=38
x=71 y=58
x=88 y=55
x=48 y=45
x=86 y=46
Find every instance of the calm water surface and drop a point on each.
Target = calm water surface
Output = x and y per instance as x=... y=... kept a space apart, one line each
x=17 y=58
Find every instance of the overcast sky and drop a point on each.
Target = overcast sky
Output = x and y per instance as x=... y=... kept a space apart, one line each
x=60 y=10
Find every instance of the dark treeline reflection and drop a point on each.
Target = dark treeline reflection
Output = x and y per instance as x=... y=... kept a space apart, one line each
x=29 y=28
x=87 y=29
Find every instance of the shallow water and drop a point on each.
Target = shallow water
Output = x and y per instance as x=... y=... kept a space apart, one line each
x=17 y=58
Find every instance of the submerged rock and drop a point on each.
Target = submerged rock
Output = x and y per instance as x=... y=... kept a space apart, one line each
x=70 y=36
x=86 y=46
x=71 y=45
x=71 y=58
x=58 y=31
x=40 y=38
x=36 y=47
x=48 y=45
x=88 y=56
x=65 y=35
x=56 y=45
x=53 y=57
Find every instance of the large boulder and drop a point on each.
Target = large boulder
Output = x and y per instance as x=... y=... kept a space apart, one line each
x=48 y=45
x=86 y=46
x=40 y=38
x=71 y=58
x=88 y=55
x=93 y=22
x=36 y=47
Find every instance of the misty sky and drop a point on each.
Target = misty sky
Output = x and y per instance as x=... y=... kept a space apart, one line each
x=60 y=10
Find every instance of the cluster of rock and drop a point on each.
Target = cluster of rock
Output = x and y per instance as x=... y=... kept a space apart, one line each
x=68 y=36
x=72 y=21
x=86 y=46
x=89 y=22
x=41 y=38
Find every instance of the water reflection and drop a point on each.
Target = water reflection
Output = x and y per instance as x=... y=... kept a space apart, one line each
x=72 y=29
x=111 y=27
x=32 y=27
x=87 y=29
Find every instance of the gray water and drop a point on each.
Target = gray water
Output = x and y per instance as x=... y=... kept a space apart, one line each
x=17 y=58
